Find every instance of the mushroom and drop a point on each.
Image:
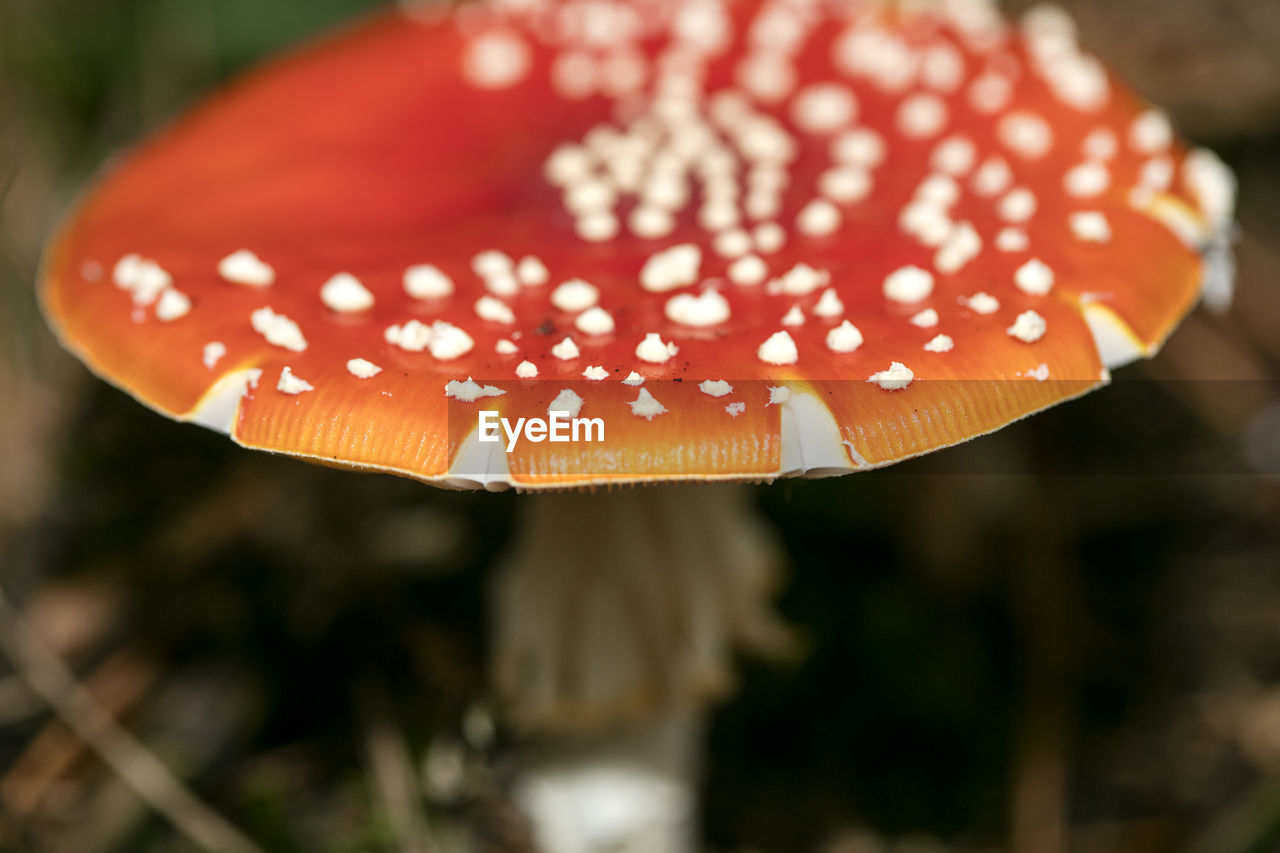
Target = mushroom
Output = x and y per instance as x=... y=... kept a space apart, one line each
x=752 y=240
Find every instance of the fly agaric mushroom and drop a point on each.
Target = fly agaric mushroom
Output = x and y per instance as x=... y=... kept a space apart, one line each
x=755 y=240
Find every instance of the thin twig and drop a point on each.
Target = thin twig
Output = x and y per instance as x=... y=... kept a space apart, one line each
x=137 y=766
x=394 y=779
x=17 y=702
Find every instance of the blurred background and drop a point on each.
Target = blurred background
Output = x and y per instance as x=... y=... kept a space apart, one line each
x=1063 y=637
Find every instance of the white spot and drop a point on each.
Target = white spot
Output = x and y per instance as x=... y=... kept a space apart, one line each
x=505 y=347
x=829 y=305
x=1048 y=30
x=763 y=204
x=653 y=350
x=1156 y=174
x=954 y=156
x=290 y=384
x=244 y=267
x=345 y=294
x=1150 y=133
x=575 y=75
x=861 y=147
x=1212 y=185
x=718 y=214
x=1079 y=81
x=594 y=321
x=926 y=220
x=844 y=338
x=769 y=237
x=425 y=281
x=213 y=353
x=502 y=284
x=491 y=263
x=818 y=218
x=962 y=245
x=992 y=178
x=596 y=373
x=566 y=401
x=575 y=295
x=448 y=341
x=1012 y=240
x=1025 y=134
x=1017 y=205
x=633 y=379
x=878 y=54
x=1040 y=372
x=172 y=305
x=130 y=270
x=1087 y=180
x=413 y=336
x=671 y=268
x=706 y=309
x=921 y=116
x=497 y=60
x=897 y=377
x=145 y=279
x=981 y=303
x=735 y=409
x=793 y=317
x=780 y=348
x=568 y=164
x=908 y=284
x=733 y=243
x=748 y=270
x=823 y=107
x=470 y=390
x=362 y=368
x=845 y=184
x=942 y=68
x=596 y=227
x=526 y=369
x=800 y=280
x=494 y=309
x=941 y=190
x=1034 y=277
x=990 y=93
x=1029 y=327
x=278 y=329
x=445 y=340
x=566 y=350
x=1100 y=144
x=1090 y=227
x=590 y=196
x=778 y=395
x=650 y=222
x=623 y=72
x=767 y=76
x=926 y=319
x=645 y=406
x=716 y=388
x=940 y=343
x=531 y=272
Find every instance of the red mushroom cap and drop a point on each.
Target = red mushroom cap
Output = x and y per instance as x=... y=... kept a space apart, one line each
x=809 y=238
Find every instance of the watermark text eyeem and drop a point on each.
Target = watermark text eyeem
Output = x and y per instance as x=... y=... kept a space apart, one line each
x=557 y=427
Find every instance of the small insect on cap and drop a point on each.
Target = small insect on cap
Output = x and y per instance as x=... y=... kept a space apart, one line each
x=753 y=239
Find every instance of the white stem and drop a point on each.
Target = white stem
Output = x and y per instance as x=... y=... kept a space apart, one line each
x=630 y=791
x=616 y=618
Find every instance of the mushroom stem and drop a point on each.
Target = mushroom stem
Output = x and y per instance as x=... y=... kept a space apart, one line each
x=617 y=607
x=615 y=619
x=634 y=789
